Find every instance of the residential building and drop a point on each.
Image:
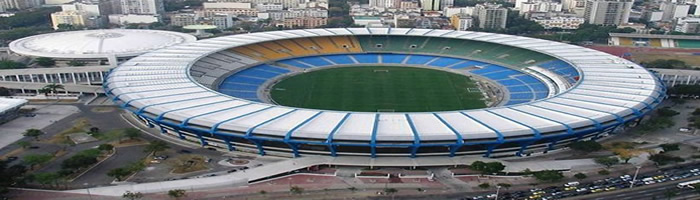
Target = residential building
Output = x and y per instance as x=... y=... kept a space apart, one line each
x=608 y=12
x=540 y=6
x=491 y=16
x=222 y=21
x=133 y=19
x=207 y=13
x=673 y=10
x=430 y=5
x=559 y=22
x=304 y=22
x=20 y=4
x=446 y=3
x=183 y=19
x=409 y=4
x=449 y=11
x=269 y=6
x=577 y=7
x=71 y=17
x=217 y=5
x=142 y=7
x=94 y=9
x=687 y=25
x=653 y=15
x=461 y=21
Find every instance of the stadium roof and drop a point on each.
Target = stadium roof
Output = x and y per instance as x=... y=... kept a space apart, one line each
x=8 y=104
x=609 y=87
x=98 y=43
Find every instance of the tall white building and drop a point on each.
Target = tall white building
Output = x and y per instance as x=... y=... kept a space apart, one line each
x=608 y=12
x=142 y=7
x=491 y=16
x=448 y=12
x=430 y=5
x=574 y=6
x=446 y=4
x=673 y=10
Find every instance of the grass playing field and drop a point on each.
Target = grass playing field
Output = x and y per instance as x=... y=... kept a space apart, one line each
x=372 y=89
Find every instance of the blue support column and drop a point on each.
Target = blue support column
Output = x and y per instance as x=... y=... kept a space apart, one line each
x=202 y=141
x=489 y=150
x=416 y=137
x=149 y=124
x=163 y=130
x=229 y=146
x=258 y=144
x=373 y=141
x=179 y=134
x=329 y=140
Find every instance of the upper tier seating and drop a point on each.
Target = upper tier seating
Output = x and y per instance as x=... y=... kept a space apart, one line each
x=456 y=47
x=279 y=49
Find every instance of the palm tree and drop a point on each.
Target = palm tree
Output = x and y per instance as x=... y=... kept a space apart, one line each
x=45 y=91
x=54 y=87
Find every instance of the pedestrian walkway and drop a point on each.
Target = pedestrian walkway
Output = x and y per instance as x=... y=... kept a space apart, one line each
x=45 y=116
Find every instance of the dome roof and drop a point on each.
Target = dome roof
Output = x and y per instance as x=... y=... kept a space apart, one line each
x=98 y=43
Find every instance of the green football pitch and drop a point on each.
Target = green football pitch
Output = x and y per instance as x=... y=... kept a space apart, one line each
x=372 y=89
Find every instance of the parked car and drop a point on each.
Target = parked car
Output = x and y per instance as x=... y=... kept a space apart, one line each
x=185 y=151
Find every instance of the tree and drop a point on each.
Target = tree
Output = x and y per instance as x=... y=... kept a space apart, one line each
x=604 y=172
x=586 y=146
x=35 y=133
x=262 y=192
x=106 y=147
x=697 y=187
x=580 y=176
x=487 y=168
x=132 y=133
x=47 y=178
x=670 y=147
x=670 y=193
x=44 y=91
x=36 y=159
x=24 y=144
x=156 y=146
x=54 y=87
x=352 y=189
x=663 y=159
x=548 y=175
x=484 y=186
x=131 y=195
x=10 y=64
x=45 y=62
x=177 y=193
x=296 y=190
x=607 y=161
x=118 y=173
x=78 y=161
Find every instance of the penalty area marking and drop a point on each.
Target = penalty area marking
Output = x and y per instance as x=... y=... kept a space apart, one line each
x=381 y=70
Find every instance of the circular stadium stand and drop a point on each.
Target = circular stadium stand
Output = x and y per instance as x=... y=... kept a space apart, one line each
x=208 y=91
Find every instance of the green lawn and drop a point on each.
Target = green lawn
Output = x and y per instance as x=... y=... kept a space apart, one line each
x=371 y=89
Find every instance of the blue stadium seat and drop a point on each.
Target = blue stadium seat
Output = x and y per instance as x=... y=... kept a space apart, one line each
x=489 y=69
x=541 y=95
x=253 y=72
x=340 y=59
x=393 y=58
x=366 y=58
x=236 y=86
x=444 y=62
x=528 y=79
x=272 y=68
x=519 y=88
x=509 y=82
x=501 y=74
x=513 y=102
x=294 y=63
x=419 y=59
x=245 y=80
x=315 y=61
x=521 y=95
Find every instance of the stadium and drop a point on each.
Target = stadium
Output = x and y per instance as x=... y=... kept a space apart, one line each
x=384 y=92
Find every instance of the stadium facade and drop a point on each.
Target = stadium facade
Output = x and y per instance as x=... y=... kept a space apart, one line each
x=212 y=92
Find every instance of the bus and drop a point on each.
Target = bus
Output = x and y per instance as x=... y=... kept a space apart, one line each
x=688 y=184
